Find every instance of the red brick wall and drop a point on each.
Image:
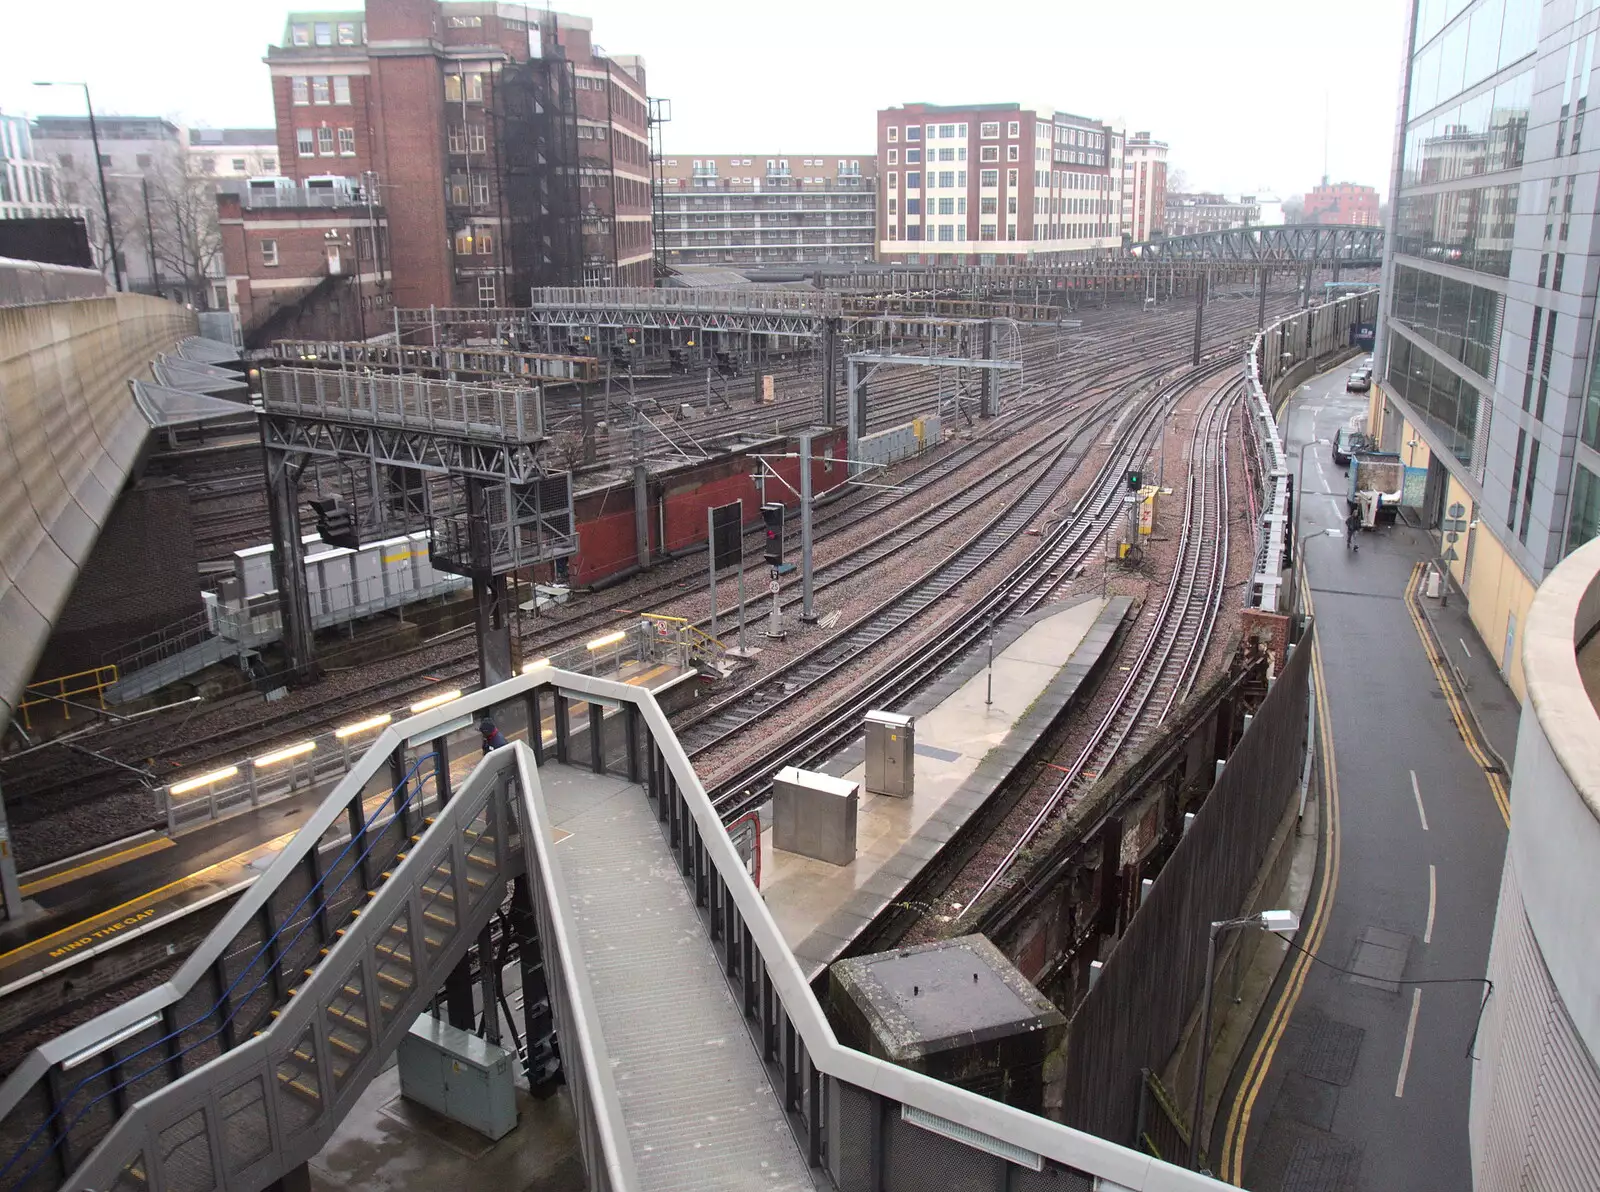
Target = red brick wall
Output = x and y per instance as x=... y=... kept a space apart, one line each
x=411 y=141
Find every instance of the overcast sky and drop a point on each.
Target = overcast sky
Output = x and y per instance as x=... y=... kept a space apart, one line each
x=1238 y=89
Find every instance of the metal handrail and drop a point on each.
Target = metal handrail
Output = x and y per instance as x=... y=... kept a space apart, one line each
x=227 y=995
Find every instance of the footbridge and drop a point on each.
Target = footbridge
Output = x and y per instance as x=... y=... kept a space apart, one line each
x=592 y=831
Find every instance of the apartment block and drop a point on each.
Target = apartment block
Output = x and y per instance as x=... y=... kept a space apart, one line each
x=233 y=153
x=994 y=183
x=1342 y=203
x=506 y=151
x=768 y=208
x=1144 y=188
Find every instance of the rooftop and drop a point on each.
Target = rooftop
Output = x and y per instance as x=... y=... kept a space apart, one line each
x=201 y=137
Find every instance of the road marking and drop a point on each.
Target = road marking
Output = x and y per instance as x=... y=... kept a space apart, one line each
x=1411 y=1037
x=1433 y=902
x=1233 y=1143
x=1464 y=649
x=1416 y=793
x=1337 y=512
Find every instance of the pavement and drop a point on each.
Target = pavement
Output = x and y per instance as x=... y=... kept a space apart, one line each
x=1356 y=1076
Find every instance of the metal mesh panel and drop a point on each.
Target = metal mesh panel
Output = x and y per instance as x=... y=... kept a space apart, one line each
x=144 y=1063
x=247 y=968
x=133 y=1177
x=477 y=849
x=915 y=1160
x=850 y=1112
x=396 y=965
x=24 y=1135
x=299 y=1085
x=186 y=1155
x=439 y=904
x=88 y=1110
x=1051 y=1179
x=200 y=1035
x=347 y=1042
x=246 y=1136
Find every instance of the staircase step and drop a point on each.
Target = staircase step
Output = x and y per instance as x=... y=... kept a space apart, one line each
x=300 y=1089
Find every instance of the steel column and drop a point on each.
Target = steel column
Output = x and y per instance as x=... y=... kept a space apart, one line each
x=288 y=557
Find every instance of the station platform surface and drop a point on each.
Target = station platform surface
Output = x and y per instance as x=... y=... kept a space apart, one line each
x=966 y=746
x=81 y=905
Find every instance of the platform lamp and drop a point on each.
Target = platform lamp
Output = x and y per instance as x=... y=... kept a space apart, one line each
x=100 y=169
x=1278 y=922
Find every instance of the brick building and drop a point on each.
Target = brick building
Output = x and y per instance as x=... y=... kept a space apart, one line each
x=1342 y=203
x=1144 y=188
x=306 y=262
x=994 y=183
x=755 y=208
x=504 y=150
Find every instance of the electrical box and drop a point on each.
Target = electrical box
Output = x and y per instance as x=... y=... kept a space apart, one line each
x=814 y=815
x=891 y=743
x=452 y=1072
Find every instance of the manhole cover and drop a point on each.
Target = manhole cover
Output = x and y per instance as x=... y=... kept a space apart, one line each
x=1330 y=1053
x=1323 y=1164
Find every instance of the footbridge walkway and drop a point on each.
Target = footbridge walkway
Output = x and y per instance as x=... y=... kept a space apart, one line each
x=695 y=1053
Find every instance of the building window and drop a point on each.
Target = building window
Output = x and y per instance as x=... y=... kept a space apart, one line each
x=464 y=242
x=269 y=252
x=474 y=88
x=306 y=140
x=914 y=180
x=1583 y=519
x=913 y=156
x=238 y=165
x=324 y=33
x=894 y=179
x=341 y=88
x=1013 y=129
x=986 y=231
x=452 y=88
x=142 y=160
x=989 y=178
x=466 y=22
x=1013 y=153
x=894 y=135
x=269 y=165
x=894 y=157
x=480 y=190
x=988 y=206
x=989 y=153
x=1011 y=205
x=319 y=89
x=913 y=132
x=458 y=139
x=1011 y=231
x=476 y=141
x=325 y=141
x=347 y=142
x=347 y=33
x=486 y=291
x=300 y=89
x=913 y=206
x=946 y=131
x=989 y=132
x=1011 y=179
x=947 y=232
x=300 y=35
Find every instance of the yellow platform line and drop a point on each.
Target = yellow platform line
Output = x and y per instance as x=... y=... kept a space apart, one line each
x=98 y=865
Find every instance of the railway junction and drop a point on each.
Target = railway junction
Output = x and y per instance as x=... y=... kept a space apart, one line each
x=577 y=683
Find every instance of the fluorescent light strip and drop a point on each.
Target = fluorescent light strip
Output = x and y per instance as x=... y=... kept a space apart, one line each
x=609 y=639
x=434 y=701
x=537 y=664
x=194 y=784
x=362 y=726
x=283 y=755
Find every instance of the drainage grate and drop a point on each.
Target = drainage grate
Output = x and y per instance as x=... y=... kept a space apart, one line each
x=1330 y=1053
x=1325 y=1163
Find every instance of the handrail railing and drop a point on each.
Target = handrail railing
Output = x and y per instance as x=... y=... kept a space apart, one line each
x=172 y=1047
x=55 y=692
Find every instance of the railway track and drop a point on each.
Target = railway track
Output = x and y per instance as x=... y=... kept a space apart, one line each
x=1167 y=659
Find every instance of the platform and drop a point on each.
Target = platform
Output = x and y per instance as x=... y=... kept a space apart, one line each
x=965 y=749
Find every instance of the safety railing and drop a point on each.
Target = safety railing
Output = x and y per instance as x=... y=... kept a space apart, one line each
x=57 y=693
x=509 y=412
x=749 y=301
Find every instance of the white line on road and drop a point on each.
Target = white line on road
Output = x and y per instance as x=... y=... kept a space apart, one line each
x=1433 y=902
x=1417 y=793
x=1411 y=1036
x=1337 y=512
x=1464 y=649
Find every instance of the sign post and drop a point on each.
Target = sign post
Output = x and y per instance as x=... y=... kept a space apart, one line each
x=1454 y=523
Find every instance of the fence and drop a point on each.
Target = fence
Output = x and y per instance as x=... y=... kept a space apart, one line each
x=1134 y=1016
x=509 y=412
x=60 y=691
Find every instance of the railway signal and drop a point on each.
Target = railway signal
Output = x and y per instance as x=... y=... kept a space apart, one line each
x=336 y=525
x=772 y=518
x=1135 y=480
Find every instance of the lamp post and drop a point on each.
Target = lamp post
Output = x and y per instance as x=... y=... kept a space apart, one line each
x=149 y=226
x=1274 y=921
x=100 y=169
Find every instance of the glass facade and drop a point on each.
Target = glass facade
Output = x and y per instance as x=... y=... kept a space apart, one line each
x=1469 y=228
x=1446 y=402
x=1583 y=519
x=1476 y=42
x=1480 y=135
x=1457 y=317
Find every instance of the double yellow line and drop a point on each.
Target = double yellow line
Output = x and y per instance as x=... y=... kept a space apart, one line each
x=1458 y=712
x=1233 y=1143
x=1244 y=1100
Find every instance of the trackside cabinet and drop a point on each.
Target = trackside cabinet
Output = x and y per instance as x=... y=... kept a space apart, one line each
x=891 y=745
x=452 y=1072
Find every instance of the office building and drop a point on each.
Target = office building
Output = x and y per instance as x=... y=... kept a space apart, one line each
x=1144 y=188
x=29 y=188
x=228 y=154
x=993 y=183
x=1342 y=203
x=1192 y=214
x=1488 y=381
x=753 y=208
x=507 y=151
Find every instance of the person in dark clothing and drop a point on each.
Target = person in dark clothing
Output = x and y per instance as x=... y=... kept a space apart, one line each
x=493 y=738
x=1352 y=525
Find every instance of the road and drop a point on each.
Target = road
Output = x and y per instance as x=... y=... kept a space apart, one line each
x=1358 y=1076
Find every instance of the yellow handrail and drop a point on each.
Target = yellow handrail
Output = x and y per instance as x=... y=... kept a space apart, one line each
x=97 y=679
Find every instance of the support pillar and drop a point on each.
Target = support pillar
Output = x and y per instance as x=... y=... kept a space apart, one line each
x=489 y=983
x=1261 y=298
x=288 y=559
x=544 y=1058
x=641 y=514
x=855 y=415
x=986 y=343
x=491 y=603
x=1199 y=315
x=586 y=422
x=830 y=372
x=807 y=613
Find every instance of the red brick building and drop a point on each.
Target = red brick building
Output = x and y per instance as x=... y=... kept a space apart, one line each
x=994 y=183
x=504 y=151
x=1342 y=203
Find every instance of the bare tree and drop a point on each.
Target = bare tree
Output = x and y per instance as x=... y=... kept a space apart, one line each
x=1294 y=209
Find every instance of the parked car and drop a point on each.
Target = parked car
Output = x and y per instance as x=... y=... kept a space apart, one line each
x=1359 y=381
x=1347 y=443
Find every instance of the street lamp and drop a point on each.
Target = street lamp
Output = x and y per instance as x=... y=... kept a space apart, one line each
x=149 y=225
x=1277 y=922
x=100 y=169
